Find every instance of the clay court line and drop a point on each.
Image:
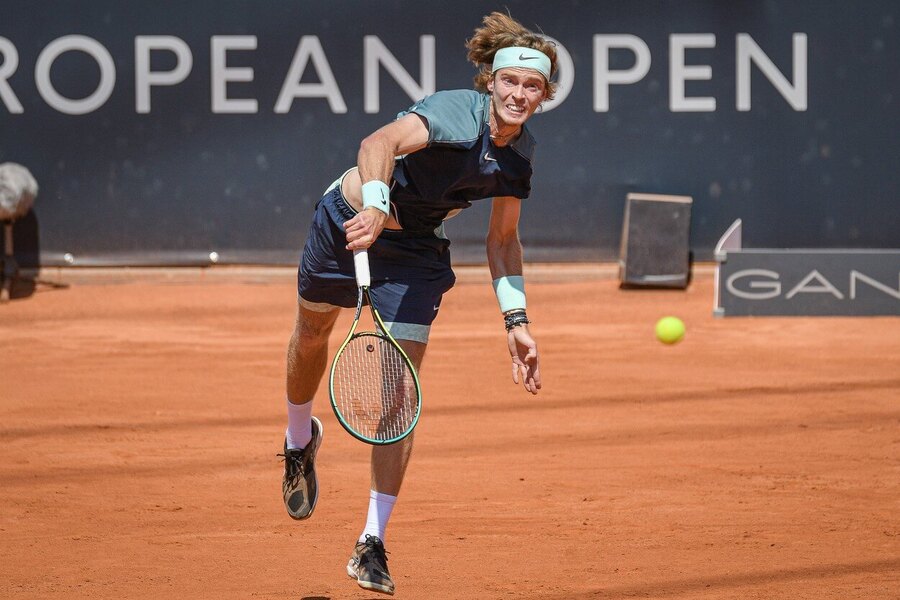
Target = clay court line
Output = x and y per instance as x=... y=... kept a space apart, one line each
x=752 y=581
x=82 y=429
x=658 y=397
x=696 y=433
x=164 y=467
x=592 y=401
x=169 y=466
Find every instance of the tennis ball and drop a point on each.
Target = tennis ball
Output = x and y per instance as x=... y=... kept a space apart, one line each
x=669 y=330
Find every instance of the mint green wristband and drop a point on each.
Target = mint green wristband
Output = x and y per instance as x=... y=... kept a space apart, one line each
x=375 y=194
x=510 y=290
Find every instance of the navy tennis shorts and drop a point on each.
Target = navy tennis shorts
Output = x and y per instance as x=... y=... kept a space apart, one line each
x=410 y=271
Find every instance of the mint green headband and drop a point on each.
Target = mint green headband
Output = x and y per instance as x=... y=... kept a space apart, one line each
x=524 y=58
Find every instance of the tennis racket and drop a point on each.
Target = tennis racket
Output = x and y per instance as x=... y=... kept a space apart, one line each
x=373 y=385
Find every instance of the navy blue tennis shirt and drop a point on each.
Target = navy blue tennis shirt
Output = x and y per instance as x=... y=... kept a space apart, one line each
x=411 y=267
x=459 y=164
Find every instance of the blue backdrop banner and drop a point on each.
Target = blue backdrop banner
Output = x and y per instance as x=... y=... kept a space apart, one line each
x=176 y=129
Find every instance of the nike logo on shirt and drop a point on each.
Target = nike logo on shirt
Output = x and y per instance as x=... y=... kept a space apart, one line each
x=487 y=156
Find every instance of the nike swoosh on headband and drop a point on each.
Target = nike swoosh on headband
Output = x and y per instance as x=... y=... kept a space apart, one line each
x=528 y=58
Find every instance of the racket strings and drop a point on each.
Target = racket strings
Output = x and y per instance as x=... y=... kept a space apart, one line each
x=374 y=389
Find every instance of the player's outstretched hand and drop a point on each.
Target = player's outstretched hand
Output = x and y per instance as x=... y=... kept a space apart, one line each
x=363 y=229
x=525 y=364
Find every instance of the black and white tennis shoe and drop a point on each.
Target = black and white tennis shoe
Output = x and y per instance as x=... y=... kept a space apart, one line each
x=300 y=486
x=368 y=566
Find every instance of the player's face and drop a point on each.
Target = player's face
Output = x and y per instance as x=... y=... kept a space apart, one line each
x=516 y=93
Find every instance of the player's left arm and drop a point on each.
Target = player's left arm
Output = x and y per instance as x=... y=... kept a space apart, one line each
x=504 y=254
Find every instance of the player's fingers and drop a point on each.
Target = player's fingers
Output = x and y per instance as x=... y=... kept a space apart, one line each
x=515 y=373
x=526 y=383
x=356 y=228
x=524 y=376
x=358 y=239
x=534 y=377
x=359 y=235
x=529 y=387
x=535 y=381
x=351 y=229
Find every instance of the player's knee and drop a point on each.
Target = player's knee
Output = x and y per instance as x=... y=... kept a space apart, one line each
x=305 y=335
x=311 y=332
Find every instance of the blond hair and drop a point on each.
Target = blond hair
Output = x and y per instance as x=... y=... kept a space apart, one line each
x=502 y=31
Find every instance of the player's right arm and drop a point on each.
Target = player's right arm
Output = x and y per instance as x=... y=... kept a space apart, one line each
x=375 y=162
x=376 y=155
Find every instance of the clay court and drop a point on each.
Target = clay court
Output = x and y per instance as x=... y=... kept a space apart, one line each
x=142 y=411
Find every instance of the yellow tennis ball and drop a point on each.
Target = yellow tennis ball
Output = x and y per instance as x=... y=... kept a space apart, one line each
x=669 y=330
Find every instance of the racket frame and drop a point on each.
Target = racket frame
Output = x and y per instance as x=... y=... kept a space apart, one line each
x=363 y=281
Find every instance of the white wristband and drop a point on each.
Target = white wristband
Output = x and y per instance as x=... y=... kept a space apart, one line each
x=375 y=194
x=510 y=290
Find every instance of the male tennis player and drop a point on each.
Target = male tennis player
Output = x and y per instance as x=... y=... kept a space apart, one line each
x=444 y=152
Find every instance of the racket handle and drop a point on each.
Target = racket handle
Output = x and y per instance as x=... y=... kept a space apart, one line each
x=361 y=262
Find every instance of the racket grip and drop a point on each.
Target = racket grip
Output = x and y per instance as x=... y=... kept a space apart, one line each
x=361 y=262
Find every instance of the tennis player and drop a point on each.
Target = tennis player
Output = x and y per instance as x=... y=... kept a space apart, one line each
x=435 y=159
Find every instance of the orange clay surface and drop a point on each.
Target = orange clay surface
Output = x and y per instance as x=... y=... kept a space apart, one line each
x=141 y=412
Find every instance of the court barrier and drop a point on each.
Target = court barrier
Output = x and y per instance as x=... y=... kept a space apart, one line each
x=804 y=282
x=655 y=245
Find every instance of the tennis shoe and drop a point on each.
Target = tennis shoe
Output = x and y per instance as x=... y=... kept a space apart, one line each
x=300 y=485
x=368 y=566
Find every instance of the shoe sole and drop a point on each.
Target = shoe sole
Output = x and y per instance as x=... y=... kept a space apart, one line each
x=315 y=500
x=367 y=585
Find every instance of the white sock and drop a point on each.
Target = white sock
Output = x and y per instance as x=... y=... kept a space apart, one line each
x=299 y=427
x=380 y=507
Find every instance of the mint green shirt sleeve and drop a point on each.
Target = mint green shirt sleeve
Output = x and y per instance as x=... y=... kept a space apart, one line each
x=455 y=117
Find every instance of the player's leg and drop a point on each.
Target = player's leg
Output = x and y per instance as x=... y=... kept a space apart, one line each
x=408 y=309
x=412 y=276
x=307 y=359
x=368 y=563
x=389 y=462
x=324 y=283
x=307 y=356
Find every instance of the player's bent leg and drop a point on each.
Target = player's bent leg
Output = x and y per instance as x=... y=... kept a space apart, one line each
x=299 y=485
x=307 y=358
